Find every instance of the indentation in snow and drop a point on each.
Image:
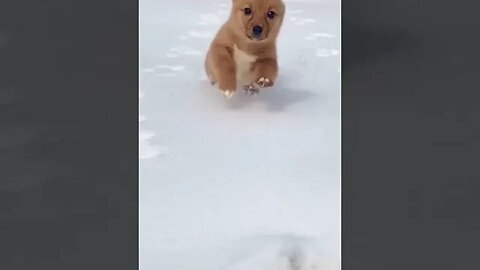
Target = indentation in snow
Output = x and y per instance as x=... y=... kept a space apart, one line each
x=322 y=52
x=185 y=50
x=172 y=68
x=315 y=36
x=210 y=19
x=198 y=34
x=171 y=55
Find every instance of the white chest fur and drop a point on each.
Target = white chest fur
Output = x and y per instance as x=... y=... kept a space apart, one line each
x=243 y=63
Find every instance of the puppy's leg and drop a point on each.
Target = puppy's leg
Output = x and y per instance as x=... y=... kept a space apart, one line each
x=264 y=72
x=208 y=70
x=222 y=66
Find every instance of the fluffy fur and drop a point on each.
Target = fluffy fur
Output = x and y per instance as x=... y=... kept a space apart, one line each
x=239 y=54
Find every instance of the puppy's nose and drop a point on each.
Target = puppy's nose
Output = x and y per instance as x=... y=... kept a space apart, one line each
x=257 y=30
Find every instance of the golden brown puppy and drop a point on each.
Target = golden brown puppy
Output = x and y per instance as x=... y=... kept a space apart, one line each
x=244 y=50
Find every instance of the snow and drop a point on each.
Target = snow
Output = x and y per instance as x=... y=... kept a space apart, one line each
x=242 y=183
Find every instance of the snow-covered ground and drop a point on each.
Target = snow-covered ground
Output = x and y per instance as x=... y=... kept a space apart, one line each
x=242 y=183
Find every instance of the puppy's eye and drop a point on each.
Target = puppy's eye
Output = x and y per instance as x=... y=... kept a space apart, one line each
x=247 y=11
x=271 y=14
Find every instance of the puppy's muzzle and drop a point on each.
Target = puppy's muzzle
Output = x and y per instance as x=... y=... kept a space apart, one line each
x=257 y=31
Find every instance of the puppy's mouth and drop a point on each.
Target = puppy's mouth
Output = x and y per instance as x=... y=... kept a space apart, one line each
x=255 y=38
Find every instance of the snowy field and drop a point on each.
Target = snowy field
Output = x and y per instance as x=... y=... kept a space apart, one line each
x=247 y=183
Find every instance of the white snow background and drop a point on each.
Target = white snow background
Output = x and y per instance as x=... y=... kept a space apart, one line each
x=243 y=183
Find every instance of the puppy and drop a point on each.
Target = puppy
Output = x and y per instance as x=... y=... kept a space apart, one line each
x=244 y=50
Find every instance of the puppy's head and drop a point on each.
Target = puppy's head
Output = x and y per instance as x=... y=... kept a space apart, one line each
x=258 y=20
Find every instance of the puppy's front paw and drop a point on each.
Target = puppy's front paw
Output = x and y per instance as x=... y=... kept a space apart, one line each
x=251 y=89
x=227 y=89
x=227 y=93
x=263 y=82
